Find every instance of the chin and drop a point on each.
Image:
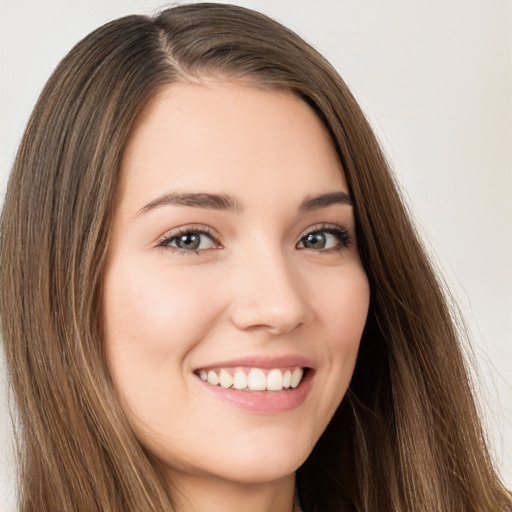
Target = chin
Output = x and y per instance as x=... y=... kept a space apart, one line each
x=246 y=460
x=257 y=471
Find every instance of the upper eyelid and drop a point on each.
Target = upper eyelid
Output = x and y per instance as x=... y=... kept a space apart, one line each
x=323 y=226
x=176 y=232
x=343 y=233
x=209 y=231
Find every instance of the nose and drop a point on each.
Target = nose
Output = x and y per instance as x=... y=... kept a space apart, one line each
x=268 y=294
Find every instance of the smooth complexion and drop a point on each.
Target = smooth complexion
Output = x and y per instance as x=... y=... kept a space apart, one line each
x=267 y=275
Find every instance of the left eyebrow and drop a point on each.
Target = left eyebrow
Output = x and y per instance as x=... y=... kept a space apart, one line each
x=325 y=200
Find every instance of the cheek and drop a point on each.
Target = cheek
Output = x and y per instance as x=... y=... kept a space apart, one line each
x=152 y=321
x=343 y=305
x=151 y=309
x=343 y=310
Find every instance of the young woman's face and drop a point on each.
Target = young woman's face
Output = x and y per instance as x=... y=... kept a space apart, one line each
x=233 y=259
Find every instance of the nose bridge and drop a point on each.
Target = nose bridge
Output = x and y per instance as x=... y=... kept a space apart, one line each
x=268 y=292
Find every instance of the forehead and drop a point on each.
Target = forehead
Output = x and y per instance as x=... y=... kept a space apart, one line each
x=227 y=135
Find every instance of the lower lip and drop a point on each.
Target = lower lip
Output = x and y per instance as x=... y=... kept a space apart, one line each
x=266 y=402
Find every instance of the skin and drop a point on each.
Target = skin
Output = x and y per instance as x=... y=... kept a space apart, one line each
x=252 y=288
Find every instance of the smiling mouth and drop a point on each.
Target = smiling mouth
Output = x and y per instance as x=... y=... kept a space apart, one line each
x=253 y=379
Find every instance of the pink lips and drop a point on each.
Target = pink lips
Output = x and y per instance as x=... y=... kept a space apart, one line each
x=265 y=402
x=290 y=361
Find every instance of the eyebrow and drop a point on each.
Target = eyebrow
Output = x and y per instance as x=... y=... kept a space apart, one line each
x=196 y=200
x=325 y=200
x=230 y=203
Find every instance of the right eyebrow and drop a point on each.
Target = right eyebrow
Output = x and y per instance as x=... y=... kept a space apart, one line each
x=197 y=200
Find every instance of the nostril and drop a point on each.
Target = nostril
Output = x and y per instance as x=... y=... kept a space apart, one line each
x=266 y=293
x=273 y=319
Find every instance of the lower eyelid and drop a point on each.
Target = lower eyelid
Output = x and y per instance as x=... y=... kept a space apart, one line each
x=176 y=233
x=342 y=234
x=166 y=243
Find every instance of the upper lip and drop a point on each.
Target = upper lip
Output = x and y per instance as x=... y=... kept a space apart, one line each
x=264 y=362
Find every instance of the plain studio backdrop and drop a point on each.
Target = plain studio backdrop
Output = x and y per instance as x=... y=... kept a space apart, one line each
x=435 y=80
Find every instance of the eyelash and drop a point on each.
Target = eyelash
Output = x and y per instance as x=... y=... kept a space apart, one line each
x=343 y=236
x=188 y=230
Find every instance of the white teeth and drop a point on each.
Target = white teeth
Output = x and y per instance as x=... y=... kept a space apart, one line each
x=275 y=380
x=296 y=377
x=239 y=380
x=226 y=381
x=213 y=378
x=256 y=380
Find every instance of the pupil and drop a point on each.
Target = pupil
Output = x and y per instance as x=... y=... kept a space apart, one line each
x=315 y=241
x=189 y=241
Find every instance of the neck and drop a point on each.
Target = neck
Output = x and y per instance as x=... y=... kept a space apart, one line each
x=213 y=495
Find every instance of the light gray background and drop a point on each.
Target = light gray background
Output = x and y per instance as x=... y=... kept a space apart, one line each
x=435 y=79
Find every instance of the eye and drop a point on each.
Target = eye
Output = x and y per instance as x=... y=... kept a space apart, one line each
x=189 y=240
x=325 y=238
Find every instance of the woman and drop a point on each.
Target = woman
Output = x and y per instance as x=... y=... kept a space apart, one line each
x=212 y=296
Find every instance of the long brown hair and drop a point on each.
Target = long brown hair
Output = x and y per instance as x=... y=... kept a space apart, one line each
x=407 y=435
